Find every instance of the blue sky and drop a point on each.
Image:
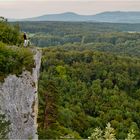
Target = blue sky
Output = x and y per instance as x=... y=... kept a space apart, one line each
x=31 y=8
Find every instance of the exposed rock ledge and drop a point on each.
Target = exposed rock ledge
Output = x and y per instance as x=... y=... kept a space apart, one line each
x=19 y=102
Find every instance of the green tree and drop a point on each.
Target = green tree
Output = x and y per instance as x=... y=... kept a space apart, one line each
x=131 y=135
x=97 y=134
x=109 y=133
x=4 y=127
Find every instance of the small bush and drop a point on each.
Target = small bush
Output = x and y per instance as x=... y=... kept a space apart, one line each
x=9 y=34
x=13 y=60
x=4 y=127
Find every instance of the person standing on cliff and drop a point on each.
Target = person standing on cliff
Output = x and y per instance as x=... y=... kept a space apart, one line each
x=25 y=39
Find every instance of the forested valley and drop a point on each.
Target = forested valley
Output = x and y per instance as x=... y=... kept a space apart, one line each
x=90 y=76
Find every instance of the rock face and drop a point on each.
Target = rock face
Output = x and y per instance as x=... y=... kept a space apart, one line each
x=19 y=102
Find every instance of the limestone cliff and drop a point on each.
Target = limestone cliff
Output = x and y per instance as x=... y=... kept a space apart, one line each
x=19 y=101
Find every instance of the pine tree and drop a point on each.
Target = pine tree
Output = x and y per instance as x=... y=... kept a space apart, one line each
x=131 y=135
x=109 y=133
x=97 y=134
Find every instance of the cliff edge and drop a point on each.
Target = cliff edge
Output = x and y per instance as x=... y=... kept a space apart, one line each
x=19 y=101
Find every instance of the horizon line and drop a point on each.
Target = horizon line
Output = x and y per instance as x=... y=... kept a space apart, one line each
x=125 y=11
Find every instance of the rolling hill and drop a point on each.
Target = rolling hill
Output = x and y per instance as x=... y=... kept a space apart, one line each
x=112 y=17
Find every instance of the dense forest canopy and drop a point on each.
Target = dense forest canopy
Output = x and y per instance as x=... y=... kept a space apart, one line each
x=91 y=89
x=65 y=27
x=108 y=37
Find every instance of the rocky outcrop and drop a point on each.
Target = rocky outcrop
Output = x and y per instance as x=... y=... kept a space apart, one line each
x=19 y=101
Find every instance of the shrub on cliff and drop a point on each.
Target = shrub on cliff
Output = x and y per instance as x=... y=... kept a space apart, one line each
x=13 y=60
x=9 y=34
x=4 y=127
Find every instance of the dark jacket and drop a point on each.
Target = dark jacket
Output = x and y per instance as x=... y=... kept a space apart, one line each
x=25 y=37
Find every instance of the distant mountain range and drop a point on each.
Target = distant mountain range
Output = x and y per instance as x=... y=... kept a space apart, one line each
x=113 y=17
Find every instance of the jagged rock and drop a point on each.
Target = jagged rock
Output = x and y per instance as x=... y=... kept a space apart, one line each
x=19 y=102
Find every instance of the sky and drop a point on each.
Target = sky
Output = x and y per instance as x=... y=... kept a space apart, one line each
x=32 y=8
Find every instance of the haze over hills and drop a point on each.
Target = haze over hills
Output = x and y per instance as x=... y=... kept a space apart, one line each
x=118 y=17
x=113 y=17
